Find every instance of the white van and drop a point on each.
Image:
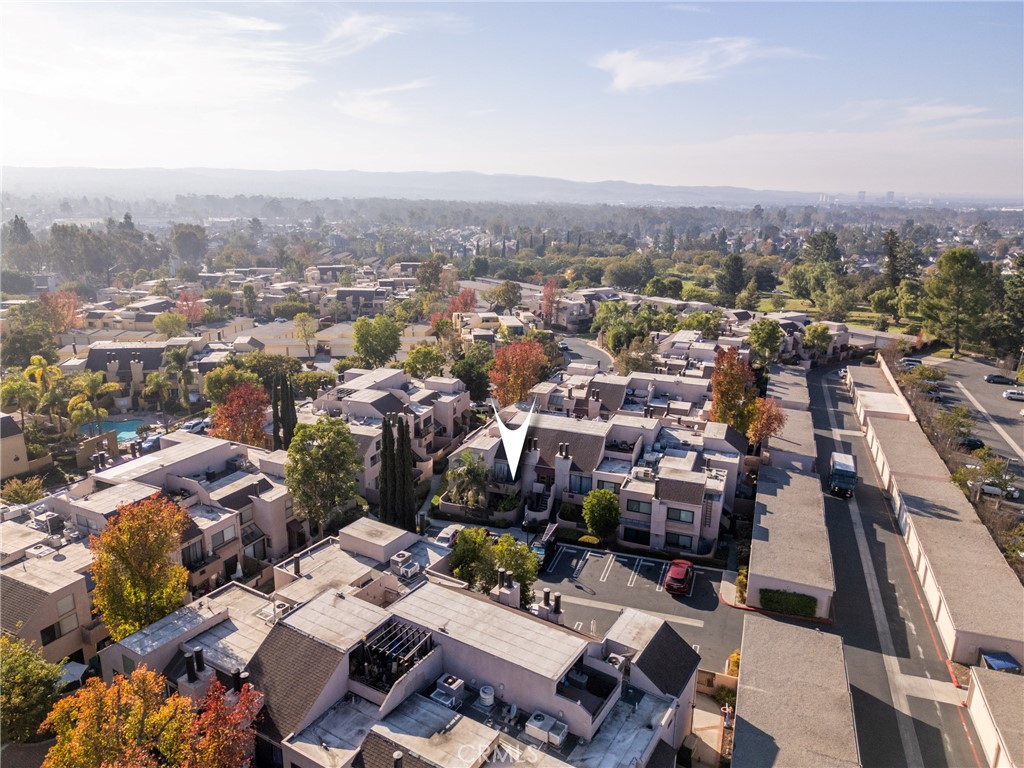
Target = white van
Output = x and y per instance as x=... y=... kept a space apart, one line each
x=447 y=537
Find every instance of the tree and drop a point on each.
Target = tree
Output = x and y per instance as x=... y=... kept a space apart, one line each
x=767 y=421
x=472 y=371
x=29 y=334
x=601 y=513
x=823 y=247
x=733 y=392
x=765 y=339
x=549 y=301
x=134 y=724
x=953 y=425
x=708 y=323
x=778 y=302
x=376 y=341
x=817 y=339
x=405 y=485
x=18 y=491
x=305 y=329
x=43 y=374
x=504 y=296
x=472 y=558
x=18 y=391
x=249 y=298
x=29 y=687
x=638 y=357
x=467 y=480
x=517 y=369
x=730 y=279
x=190 y=306
x=386 y=480
x=321 y=469
x=89 y=388
x=189 y=242
x=290 y=308
x=465 y=301
x=428 y=274
x=61 y=309
x=954 y=296
x=834 y=302
x=267 y=366
x=176 y=359
x=312 y=383
x=241 y=416
x=224 y=378
x=424 y=361
x=170 y=324
x=137 y=582
x=749 y=298
x=158 y=385
x=516 y=557
x=884 y=302
x=219 y=297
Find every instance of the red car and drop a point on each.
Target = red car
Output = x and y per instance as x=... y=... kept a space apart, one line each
x=680 y=577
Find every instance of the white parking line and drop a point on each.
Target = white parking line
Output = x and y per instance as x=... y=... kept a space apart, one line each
x=578 y=626
x=661 y=577
x=1002 y=432
x=559 y=553
x=607 y=569
x=636 y=570
x=582 y=564
x=616 y=608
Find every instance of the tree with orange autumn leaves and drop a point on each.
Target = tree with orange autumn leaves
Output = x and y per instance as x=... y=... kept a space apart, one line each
x=465 y=301
x=132 y=724
x=60 y=309
x=767 y=421
x=516 y=370
x=240 y=418
x=190 y=305
x=733 y=391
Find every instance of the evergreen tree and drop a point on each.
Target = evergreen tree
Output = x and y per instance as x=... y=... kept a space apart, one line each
x=387 y=473
x=275 y=407
x=289 y=418
x=406 y=506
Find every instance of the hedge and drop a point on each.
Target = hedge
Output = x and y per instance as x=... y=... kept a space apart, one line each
x=793 y=603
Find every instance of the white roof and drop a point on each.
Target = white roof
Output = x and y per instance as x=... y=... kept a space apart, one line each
x=336 y=618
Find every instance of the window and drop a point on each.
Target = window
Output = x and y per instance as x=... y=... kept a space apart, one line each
x=636 y=536
x=500 y=472
x=65 y=605
x=640 y=507
x=247 y=515
x=607 y=485
x=680 y=515
x=220 y=538
x=258 y=550
x=580 y=484
x=192 y=554
x=679 y=541
x=87 y=522
x=374 y=459
x=68 y=624
x=63 y=627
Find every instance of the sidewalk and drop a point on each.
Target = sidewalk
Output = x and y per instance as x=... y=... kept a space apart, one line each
x=708 y=726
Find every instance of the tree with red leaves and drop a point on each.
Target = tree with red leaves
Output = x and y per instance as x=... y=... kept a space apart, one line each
x=733 y=392
x=60 y=309
x=549 y=301
x=190 y=304
x=223 y=735
x=240 y=418
x=464 y=302
x=517 y=369
x=767 y=421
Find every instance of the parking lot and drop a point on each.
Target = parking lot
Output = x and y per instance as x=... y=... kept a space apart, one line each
x=596 y=585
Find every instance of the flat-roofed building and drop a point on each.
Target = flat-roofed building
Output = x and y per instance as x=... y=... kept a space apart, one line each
x=775 y=726
x=875 y=395
x=788 y=385
x=794 y=448
x=996 y=703
x=789 y=548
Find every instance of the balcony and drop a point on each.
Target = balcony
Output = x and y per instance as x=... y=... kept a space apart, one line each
x=620 y=447
x=591 y=689
x=94 y=632
x=539 y=506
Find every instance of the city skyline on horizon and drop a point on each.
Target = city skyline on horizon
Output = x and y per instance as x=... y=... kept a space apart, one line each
x=754 y=95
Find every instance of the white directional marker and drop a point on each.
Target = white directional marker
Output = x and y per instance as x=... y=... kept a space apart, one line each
x=514 y=440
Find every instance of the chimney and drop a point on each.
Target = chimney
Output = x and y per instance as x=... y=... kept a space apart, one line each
x=397 y=757
x=236 y=680
x=200 y=661
x=243 y=680
x=558 y=602
x=74 y=348
x=501 y=578
x=297 y=566
x=547 y=596
x=190 y=667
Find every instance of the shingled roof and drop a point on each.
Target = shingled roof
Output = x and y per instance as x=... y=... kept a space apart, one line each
x=379 y=752
x=586 y=439
x=21 y=601
x=9 y=427
x=668 y=661
x=290 y=669
x=683 y=491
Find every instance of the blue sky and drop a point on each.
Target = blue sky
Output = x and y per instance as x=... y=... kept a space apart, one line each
x=831 y=97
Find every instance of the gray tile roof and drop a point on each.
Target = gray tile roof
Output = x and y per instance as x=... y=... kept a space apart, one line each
x=668 y=661
x=378 y=752
x=20 y=601
x=683 y=491
x=290 y=669
x=9 y=427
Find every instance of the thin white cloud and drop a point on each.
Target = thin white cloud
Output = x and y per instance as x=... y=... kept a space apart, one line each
x=688 y=8
x=690 y=62
x=933 y=113
x=359 y=31
x=372 y=105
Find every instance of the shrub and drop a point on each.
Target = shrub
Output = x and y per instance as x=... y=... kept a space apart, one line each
x=913 y=329
x=869 y=360
x=881 y=323
x=726 y=697
x=792 y=603
x=18 y=491
x=567 y=536
x=589 y=540
x=741 y=585
x=732 y=664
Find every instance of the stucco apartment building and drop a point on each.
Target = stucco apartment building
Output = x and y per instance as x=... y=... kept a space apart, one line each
x=368 y=647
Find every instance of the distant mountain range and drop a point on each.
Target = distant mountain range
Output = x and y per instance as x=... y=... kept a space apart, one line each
x=166 y=183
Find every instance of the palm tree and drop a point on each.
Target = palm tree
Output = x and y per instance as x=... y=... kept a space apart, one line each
x=90 y=387
x=86 y=413
x=18 y=391
x=176 y=359
x=157 y=384
x=54 y=401
x=45 y=376
x=467 y=482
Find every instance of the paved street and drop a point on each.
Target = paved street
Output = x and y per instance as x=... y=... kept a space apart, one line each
x=904 y=703
x=582 y=351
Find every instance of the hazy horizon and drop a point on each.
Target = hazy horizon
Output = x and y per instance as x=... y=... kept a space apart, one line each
x=832 y=97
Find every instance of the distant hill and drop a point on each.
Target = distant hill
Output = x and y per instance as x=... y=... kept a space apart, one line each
x=165 y=184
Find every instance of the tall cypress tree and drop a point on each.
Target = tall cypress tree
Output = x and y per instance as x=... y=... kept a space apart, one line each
x=275 y=404
x=407 y=489
x=289 y=418
x=387 y=473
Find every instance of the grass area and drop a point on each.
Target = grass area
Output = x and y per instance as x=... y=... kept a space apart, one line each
x=792 y=305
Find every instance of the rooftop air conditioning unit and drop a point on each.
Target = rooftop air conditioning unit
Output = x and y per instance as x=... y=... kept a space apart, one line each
x=410 y=570
x=616 y=661
x=444 y=699
x=399 y=560
x=451 y=685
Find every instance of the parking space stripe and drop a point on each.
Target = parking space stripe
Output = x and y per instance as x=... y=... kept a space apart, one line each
x=581 y=566
x=616 y=608
x=661 y=578
x=636 y=570
x=607 y=569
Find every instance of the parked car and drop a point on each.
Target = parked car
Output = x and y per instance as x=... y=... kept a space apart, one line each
x=150 y=444
x=989 y=488
x=679 y=579
x=906 y=363
x=280 y=319
x=972 y=443
x=563 y=346
x=998 y=378
x=449 y=535
x=1013 y=394
x=195 y=426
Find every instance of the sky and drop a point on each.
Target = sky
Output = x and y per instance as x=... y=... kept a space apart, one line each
x=917 y=98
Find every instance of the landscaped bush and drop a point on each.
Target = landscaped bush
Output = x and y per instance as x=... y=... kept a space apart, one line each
x=913 y=329
x=741 y=585
x=793 y=603
x=726 y=697
x=590 y=541
x=869 y=360
x=732 y=664
x=567 y=536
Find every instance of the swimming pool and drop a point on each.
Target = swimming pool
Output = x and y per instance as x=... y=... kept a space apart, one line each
x=125 y=429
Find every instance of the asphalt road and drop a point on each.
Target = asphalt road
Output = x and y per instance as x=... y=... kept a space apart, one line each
x=580 y=350
x=905 y=705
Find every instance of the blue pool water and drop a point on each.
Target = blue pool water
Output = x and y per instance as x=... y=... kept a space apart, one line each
x=125 y=429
